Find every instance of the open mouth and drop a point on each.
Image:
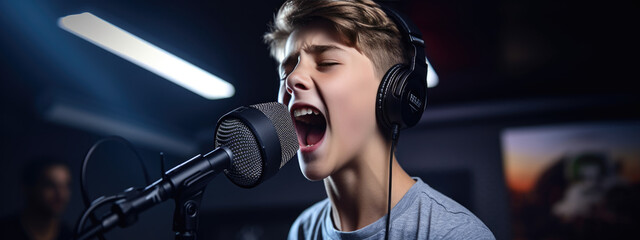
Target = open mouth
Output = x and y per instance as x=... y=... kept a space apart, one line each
x=310 y=125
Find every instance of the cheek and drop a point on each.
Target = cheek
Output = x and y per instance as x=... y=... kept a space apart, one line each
x=353 y=106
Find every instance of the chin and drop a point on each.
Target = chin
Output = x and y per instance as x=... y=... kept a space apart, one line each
x=313 y=173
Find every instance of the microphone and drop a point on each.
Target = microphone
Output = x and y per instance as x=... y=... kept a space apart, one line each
x=251 y=144
x=262 y=139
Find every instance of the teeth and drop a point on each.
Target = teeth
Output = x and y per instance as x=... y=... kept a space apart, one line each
x=304 y=111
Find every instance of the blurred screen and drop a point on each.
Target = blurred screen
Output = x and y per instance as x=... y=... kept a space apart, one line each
x=573 y=181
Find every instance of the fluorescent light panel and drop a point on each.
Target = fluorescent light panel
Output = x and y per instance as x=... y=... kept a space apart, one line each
x=146 y=55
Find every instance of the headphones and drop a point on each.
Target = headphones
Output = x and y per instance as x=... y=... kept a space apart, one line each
x=402 y=93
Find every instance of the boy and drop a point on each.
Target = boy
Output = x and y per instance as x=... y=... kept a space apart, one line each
x=333 y=55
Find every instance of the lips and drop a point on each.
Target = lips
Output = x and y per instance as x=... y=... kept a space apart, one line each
x=310 y=125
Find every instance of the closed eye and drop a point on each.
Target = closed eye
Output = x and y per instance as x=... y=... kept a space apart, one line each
x=326 y=64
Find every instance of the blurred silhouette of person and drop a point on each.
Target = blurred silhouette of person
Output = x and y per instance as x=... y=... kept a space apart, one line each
x=46 y=190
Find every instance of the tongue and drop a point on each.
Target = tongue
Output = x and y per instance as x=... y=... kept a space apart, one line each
x=314 y=135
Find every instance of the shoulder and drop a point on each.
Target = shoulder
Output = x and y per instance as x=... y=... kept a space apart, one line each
x=446 y=218
x=309 y=223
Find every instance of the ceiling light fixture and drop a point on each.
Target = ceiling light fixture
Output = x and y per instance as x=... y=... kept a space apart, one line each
x=146 y=55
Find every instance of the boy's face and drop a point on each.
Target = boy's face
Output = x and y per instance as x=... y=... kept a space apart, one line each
x=330 y=89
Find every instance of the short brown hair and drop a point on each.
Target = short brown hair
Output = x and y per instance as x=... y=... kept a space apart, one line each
x=360 y=23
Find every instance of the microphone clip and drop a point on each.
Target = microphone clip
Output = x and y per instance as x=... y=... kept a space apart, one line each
x=186 y=215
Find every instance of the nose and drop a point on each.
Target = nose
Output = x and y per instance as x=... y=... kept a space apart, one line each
x=299 y=80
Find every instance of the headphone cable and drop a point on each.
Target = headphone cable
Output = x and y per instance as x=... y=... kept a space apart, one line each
x=394 y=140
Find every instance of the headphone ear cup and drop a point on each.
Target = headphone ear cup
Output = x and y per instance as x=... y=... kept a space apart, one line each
x=388 y=105
x=401 y=98
x=413 y=99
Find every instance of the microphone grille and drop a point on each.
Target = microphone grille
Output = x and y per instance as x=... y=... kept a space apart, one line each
x=246 y=169
x=242 y=131
x=279 y=116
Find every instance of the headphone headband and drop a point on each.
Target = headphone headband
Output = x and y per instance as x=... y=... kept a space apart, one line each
x=402 y=93
x=412 y=37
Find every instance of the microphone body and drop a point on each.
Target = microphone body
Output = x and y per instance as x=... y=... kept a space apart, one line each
x=252 y=144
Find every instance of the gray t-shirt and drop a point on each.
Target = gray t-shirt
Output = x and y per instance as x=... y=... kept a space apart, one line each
x=423 y=213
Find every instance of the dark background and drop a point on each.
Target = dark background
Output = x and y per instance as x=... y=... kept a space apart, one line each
x=501 y=64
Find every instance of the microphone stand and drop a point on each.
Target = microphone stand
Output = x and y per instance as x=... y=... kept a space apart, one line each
x=184 y=184
x=186 y=212
x=185 y=216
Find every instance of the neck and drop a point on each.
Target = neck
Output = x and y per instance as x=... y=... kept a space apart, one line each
x=39 y=225
x=358 y=191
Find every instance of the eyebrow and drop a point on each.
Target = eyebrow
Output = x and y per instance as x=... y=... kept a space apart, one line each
x=313 y=49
